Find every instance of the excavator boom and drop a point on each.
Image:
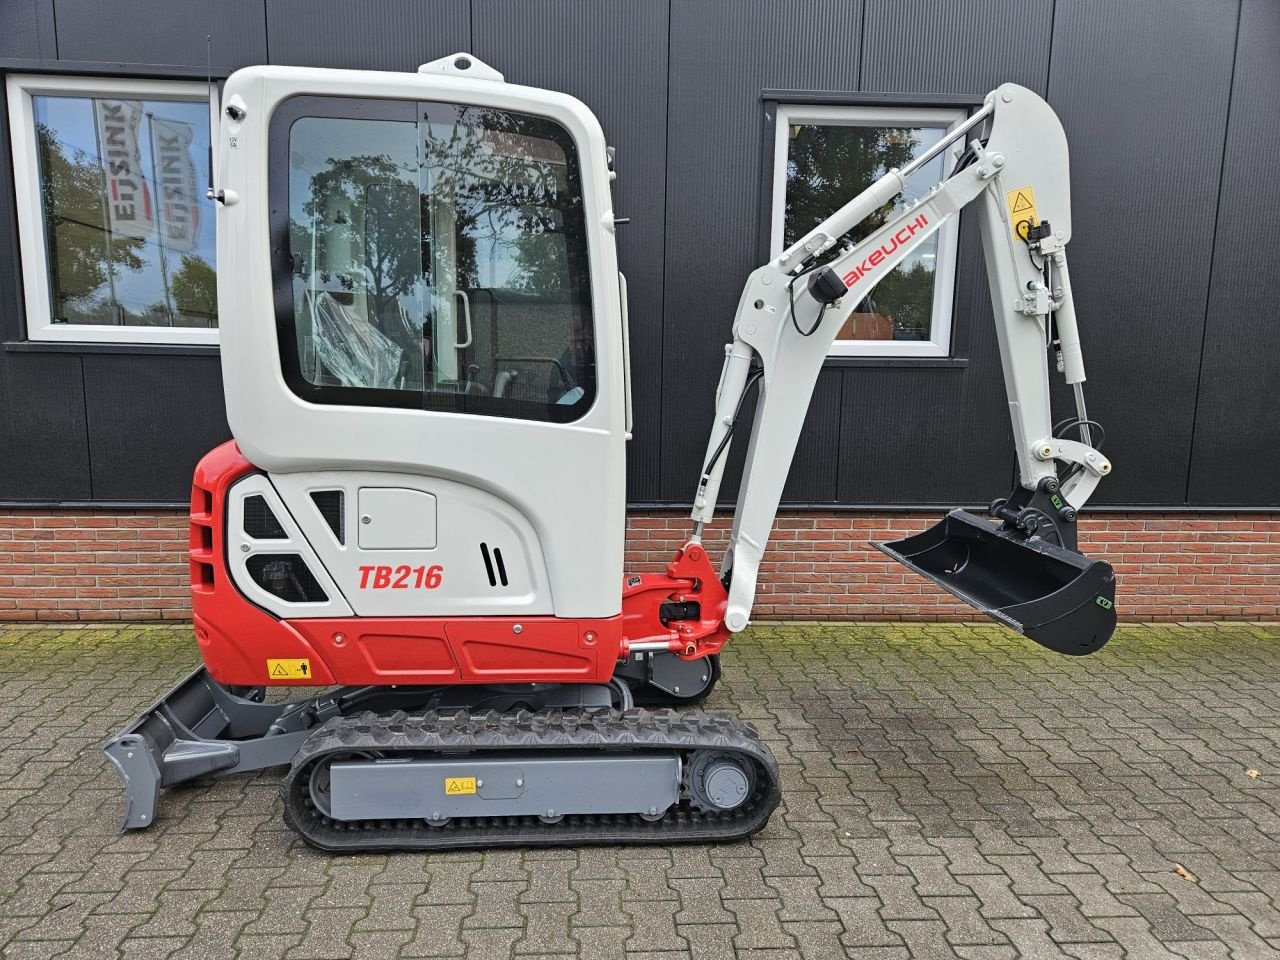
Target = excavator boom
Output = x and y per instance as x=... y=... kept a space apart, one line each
x=1025 y=571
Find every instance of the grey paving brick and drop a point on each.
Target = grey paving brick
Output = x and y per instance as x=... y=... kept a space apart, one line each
x=497 y=905
x=491 y=943
x=838 y=877
x=701 y=901
x=1168 y=923
x=546 y=929
x=151 y=948
x=759 y=927
x=379 y=945
x=706 y=941
x=863 y=925
x=1094 y=897
x=438 y=932
x=998 y=901
x=600 y=941
x=451 y=882
x=600 y=903
x=327 y=934
x=986 y=953
x=38 y=949
x=549 y=882
x=800 y=899
x=215 y=931
x=390 y=908
x=653 y=925
x=963 y=921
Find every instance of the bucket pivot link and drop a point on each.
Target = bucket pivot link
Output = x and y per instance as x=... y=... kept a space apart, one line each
x=1024 y=572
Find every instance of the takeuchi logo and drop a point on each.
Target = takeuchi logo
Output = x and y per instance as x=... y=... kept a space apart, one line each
x=877 y=256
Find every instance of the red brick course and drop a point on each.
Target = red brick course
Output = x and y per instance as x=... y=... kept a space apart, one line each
x=122 y=565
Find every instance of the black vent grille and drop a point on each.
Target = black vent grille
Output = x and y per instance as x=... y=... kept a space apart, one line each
x=329 y=503
x=493 y=565
x=259 y=522
x=285 y=575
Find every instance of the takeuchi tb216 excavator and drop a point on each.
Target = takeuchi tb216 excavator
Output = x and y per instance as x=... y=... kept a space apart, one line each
x=424 y=349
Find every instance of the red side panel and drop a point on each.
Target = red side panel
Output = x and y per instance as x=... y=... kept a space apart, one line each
x=431 y=650
x=542 y=650
x=237 y=638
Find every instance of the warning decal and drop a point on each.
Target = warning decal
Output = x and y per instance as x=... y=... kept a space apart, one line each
x=289 y=669
x=454 y=786
x=1022 y=211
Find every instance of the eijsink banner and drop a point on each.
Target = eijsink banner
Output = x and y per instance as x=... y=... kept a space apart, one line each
x=175 y=175
x=128 y=197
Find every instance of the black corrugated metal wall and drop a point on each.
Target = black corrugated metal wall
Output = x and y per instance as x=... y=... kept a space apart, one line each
x=1170 y=110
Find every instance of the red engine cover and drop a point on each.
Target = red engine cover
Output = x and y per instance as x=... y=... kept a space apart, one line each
x=239 y=640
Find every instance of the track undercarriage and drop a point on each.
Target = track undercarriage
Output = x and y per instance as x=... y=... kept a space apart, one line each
x=375 y=768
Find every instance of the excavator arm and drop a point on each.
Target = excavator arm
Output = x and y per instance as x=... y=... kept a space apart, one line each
x=1025 y=571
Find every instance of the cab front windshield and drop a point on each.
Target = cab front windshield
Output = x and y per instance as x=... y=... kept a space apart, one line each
x=437 y=258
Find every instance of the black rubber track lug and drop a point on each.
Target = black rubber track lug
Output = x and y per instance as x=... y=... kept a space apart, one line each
x=526 y=732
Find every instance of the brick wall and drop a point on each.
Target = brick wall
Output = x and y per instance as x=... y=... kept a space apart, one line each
x=93 y=565
x=1168 y=566
x=121 y=565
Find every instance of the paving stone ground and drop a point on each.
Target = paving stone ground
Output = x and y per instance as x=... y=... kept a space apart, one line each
x=950 y=791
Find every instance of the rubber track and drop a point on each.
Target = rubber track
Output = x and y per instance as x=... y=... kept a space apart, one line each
x=530 y=732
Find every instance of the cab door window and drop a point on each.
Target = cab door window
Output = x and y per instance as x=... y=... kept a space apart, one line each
x=436 y=258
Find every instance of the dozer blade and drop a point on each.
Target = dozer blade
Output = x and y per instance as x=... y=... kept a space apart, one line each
x=1057 y=597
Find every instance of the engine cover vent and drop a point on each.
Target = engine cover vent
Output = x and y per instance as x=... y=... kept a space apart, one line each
x=285 y=575
x=330 y=504
x=493 y=565
x=259 y=522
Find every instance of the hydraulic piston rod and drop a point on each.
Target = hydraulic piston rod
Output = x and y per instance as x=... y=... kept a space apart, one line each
x=824 y=236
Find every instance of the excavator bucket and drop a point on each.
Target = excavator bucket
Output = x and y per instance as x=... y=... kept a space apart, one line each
x=1057 y=597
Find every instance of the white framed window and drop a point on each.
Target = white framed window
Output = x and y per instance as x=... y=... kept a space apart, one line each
x=824 y=156
x=116 y=234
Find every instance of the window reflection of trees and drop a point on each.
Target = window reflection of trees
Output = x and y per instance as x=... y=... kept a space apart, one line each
x=503 y=195
x=83 y=256
x=828 y=165
x=86 y=260
x=367 y=221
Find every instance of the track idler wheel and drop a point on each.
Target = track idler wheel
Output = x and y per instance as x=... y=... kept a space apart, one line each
x=718 y=782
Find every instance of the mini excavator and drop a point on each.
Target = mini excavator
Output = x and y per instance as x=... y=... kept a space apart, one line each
x=424 y=352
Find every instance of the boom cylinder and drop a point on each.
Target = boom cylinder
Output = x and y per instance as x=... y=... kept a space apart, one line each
x=824 y=236
x=733 y=380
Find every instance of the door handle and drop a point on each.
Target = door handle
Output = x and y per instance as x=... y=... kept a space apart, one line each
x=466 y=314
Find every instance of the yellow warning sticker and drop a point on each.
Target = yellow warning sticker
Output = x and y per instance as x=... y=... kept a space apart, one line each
x=1022 y=211
x=289 y=669
x=458 y=785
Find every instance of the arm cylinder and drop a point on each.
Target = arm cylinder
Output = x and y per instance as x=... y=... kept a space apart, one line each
x=1065 y=318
